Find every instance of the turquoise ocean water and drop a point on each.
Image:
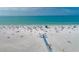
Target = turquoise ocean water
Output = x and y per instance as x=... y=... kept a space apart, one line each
x=39 y=20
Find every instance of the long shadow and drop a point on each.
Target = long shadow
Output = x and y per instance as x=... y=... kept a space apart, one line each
x=44 y=36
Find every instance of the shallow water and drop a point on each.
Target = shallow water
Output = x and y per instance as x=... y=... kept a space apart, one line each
x=39 y=20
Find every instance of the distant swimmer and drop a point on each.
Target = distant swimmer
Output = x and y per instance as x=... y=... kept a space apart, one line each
x=46 y=26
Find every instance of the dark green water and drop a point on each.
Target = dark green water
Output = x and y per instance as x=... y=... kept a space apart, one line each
x=39 y=20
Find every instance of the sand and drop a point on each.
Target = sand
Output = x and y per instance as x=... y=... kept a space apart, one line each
x=27 y=38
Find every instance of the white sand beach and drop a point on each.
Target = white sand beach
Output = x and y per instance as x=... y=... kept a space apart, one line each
x=28 y=38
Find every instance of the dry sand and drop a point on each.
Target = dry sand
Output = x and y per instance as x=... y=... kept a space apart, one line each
x=26 y=38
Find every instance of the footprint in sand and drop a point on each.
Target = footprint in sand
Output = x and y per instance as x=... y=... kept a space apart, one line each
x=8 y=37
x=69 y=42
x=21 y=36
x=17 y=31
